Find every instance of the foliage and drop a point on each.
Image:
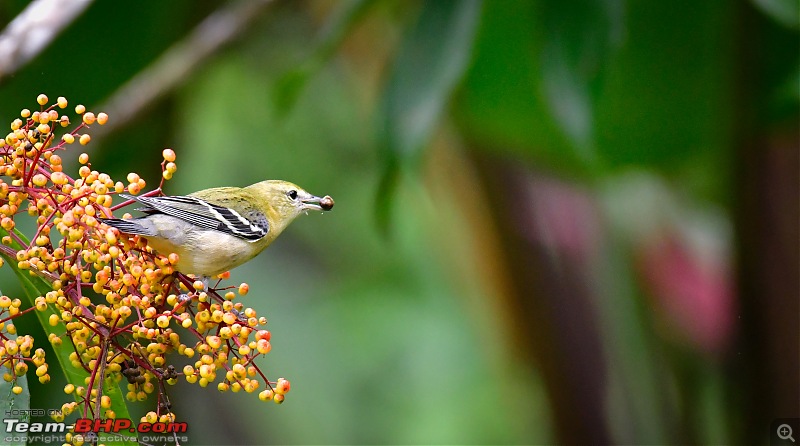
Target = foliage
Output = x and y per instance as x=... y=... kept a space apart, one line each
x=111 y=307
x=587 y=212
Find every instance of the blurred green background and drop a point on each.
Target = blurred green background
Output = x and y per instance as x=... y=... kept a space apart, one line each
x=555 y=222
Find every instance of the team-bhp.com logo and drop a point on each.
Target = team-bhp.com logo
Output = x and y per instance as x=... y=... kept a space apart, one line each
x=121 y=425
x=85 y=425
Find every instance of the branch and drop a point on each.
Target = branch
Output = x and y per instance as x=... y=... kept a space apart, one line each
x=33 y=29
x=178 y=62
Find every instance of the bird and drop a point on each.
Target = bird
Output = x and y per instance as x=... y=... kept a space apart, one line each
x=215 y=230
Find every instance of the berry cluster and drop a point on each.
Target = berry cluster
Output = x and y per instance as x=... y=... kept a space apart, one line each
x=124 y=308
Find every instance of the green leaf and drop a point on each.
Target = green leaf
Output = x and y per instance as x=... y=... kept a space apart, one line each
x=580 y=35
x=431 y=62
x=20 y=404
x=35 y=286
x=289 y=86
x=785 y=12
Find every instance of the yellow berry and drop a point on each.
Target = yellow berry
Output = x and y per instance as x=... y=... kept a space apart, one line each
x=85 y=138
x=162 y=321
x=169 y=155
x=68 y=138
x=62 y=102
x=79 y=109
x=41 y=99
x=58 y=178
x=88 y=118
x=39 y=180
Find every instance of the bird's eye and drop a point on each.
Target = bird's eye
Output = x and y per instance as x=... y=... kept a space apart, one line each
x=292 y=194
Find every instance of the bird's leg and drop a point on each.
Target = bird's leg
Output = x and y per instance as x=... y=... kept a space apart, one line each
x=205 y=279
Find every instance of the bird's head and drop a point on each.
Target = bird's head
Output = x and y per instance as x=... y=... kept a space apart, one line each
x=288 y=200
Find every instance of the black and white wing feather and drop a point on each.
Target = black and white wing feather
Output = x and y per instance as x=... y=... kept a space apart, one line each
x=205 y=215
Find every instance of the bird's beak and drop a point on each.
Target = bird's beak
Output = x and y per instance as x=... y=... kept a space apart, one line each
x=316 y=203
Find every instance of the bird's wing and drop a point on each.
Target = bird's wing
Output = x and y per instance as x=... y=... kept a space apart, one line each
x=205 y=215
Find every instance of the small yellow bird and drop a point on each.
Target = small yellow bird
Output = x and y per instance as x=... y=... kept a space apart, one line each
x=217 y=229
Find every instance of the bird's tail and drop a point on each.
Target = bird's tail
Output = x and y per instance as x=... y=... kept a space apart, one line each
x=129 y=226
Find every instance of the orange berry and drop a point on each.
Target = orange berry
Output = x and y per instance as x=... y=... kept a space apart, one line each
x=88 y=118
x=263 y=346
x=102 y=118
x=213 y=341
x=282 y=386
x=85 y=138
